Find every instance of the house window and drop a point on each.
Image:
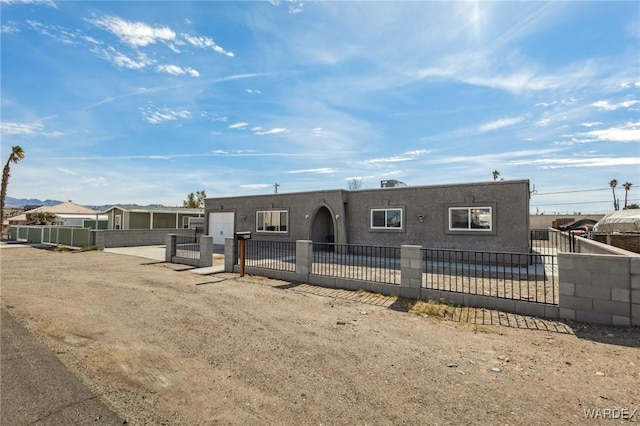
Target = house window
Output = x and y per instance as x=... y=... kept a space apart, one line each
x=470 y=218
x=272 y=221
x=185 y=222
x=386 y=218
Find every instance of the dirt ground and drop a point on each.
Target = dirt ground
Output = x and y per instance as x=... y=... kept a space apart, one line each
x=162 y=345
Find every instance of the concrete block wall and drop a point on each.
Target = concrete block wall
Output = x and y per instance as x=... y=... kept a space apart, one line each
x=206 y=252
x=600 y=289
x=634 y=269
x=411 y=283
x=133 y=237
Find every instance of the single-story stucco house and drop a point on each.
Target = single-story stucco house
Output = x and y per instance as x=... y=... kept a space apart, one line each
x=135 y=217
x=64 y=214
x=485 y=216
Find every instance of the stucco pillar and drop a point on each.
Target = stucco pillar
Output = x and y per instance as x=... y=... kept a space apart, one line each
x=206 y=251
x=170 y=250
x=304 y=258
x=229 y=254
x=411 y=266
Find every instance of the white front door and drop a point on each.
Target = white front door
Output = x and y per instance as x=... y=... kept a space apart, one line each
x=221 y=226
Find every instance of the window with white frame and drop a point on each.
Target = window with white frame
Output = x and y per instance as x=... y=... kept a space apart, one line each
x=386 y=218
x=470 y=218
x=272 y=221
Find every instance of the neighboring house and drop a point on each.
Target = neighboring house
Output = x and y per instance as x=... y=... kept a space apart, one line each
x=128 y=217
x=64 y=214
x=487 y=216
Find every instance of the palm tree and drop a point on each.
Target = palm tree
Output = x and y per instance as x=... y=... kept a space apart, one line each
x=16 y=155
x=613 y=185
x=627 y=187
x=496 y=174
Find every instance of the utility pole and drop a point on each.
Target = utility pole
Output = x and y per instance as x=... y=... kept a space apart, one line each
x=275 y=187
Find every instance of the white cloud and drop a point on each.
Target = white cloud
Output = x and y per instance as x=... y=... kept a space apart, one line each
x=628 y=132
x=544 y=122
x=123 y=61
x=136 y=34
x=159 y=115
x=90 y=39
x=48 y=3
x=20 y=128
x=10 y=28
x=272 y=131
x=407 y=156
x=67 y=171
x=206 y=43
x=558 y=163
x=56 y=32
x=240 y=125
x=517 y=81
x=27 y=129
x=176 y=70
x=591 y=123
x=256 y=186
x=606 y=106
x=324 y=170
x=545 y=104
x=499 y=124
x=295 y=7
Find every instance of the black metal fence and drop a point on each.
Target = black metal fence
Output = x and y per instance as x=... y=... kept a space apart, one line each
x=188 y=247
x=275 y=255
x=530 y=277
x=520 y=276
x=357 y=262
x=547 y=241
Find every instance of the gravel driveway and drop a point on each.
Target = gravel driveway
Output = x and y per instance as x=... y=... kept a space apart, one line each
x=163 y=345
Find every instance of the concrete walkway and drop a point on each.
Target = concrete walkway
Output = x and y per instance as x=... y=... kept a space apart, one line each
x=158 y=253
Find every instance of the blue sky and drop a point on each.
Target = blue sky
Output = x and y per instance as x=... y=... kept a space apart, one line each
x=144 y=102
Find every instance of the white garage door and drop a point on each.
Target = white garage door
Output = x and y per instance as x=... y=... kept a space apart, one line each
x=221 y=226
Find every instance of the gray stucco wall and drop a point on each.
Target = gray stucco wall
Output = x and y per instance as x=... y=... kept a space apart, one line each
x=299 y=205
x=509 y=201
x=350 y=211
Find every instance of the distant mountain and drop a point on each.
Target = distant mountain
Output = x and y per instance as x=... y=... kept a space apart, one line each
x=21 y=202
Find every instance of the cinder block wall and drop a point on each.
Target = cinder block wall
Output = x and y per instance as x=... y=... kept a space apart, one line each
x=134 y=237
x=601 y=289
x=634 y=269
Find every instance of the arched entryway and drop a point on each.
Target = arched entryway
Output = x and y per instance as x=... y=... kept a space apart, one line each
x=322 y=228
